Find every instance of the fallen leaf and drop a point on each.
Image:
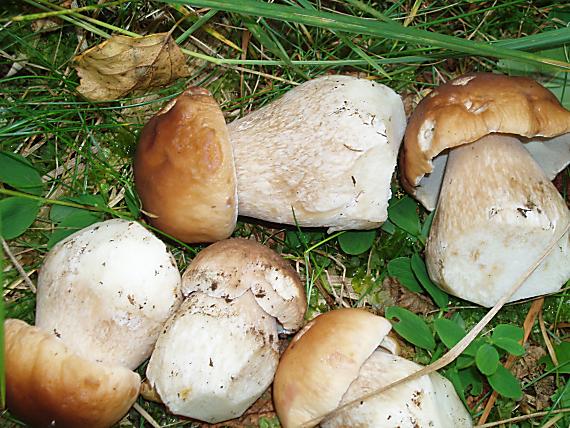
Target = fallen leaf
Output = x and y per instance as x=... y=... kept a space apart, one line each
x=400 y=296
x=528 y=368
x=123 y=64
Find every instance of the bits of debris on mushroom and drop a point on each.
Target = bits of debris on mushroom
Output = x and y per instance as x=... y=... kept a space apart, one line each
x=218 y=353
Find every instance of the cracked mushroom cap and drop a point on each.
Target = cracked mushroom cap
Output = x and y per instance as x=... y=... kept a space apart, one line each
x=321 y=362
x=229 y=268
x=107 y=290
x=470 y=107
x=48 y=385
x=215 y=357
x=184 y=170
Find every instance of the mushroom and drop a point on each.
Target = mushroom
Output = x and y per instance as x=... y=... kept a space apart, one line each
x=218 y=353
x=48 y=384
x=497 y=209
x=215 y=357
x=107 y=290
x=340 y=356
x=229 y=268
x=184 y=169
x=322 y=155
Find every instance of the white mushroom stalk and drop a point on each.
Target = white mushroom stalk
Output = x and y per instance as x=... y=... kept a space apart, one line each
x=497 y=213
x=218 y=353
x=215 y=358
x=321 y=155
x=341 y=356
x=497 y=210
x=429 y=401
x=107 y=290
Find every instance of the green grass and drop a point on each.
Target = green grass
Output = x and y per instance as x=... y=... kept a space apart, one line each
x=86 y=148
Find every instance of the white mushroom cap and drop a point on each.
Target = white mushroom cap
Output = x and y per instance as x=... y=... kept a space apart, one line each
x=321 y=155
x=107 y=290
x=497 y=213
x=214 y=357
x=229 y=268
x=429 y=401
x=47 y=384
x=321 y=362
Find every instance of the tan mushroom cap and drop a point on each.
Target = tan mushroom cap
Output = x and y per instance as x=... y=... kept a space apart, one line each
x=332 y=348
x=229 y=268
x=48 y=385
x=474 y=105
x=184 y=170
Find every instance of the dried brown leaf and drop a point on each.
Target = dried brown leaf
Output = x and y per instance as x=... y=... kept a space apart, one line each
x=400 y=296
x=123 y=64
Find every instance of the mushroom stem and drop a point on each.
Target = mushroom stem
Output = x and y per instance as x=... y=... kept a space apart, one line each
x=496 y=210
x=322 y=155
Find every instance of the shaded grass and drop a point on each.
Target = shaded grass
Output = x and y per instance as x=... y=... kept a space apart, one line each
x=86 y=148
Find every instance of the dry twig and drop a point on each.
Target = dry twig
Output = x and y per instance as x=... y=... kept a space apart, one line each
x=18 y=266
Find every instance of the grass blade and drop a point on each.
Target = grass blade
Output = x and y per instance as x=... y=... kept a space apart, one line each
x=344 y=23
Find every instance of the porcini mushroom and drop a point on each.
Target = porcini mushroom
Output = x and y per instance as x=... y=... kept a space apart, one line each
x=49 y=385
x=338 y=357
x=219 y=352
x=215 y=358
x=497 y=210
x=184 y=169
x=322 y=155
x=229 y=268
x=107 y=290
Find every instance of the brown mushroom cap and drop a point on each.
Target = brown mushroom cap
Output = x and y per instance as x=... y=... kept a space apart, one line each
x=48 y=385
x=337 y=342
x=184 y=170
x=467 y=108
x=229 y=268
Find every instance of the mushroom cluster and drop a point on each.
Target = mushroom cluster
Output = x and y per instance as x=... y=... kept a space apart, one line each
x=497 y=209
x=322 y=155
x=342 y=355
x=218 y=353
x=103 y=296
